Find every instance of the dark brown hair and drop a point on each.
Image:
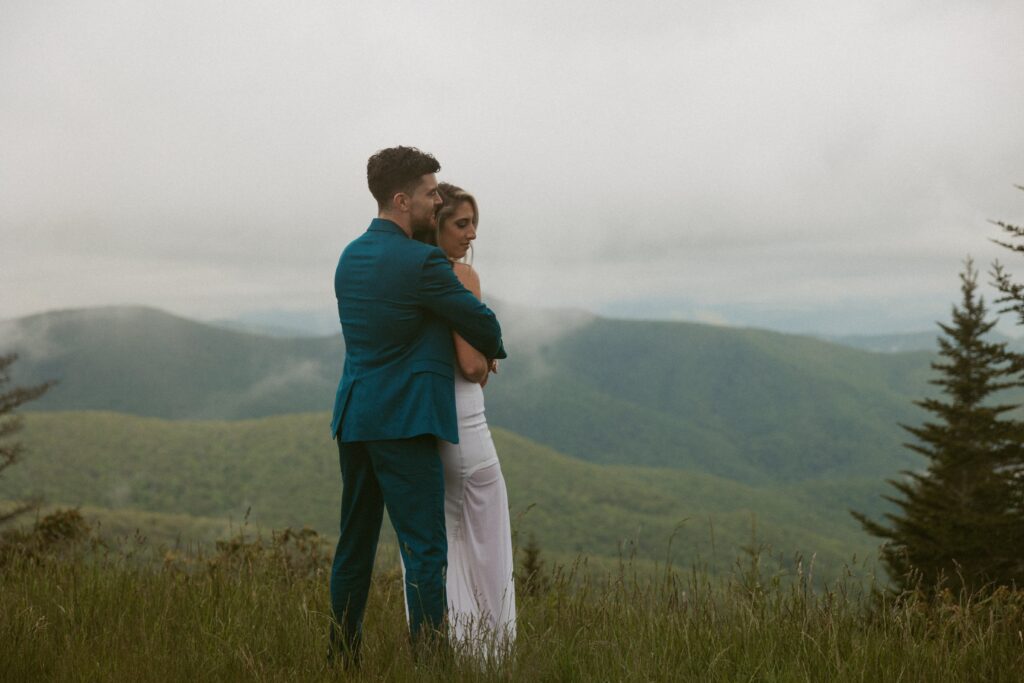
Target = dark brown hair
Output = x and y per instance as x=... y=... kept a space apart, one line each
x=397 y=169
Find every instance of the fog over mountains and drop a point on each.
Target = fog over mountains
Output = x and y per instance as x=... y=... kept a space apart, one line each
x=739 y=403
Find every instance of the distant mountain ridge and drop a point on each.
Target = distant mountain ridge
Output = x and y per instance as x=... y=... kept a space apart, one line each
x=283 y=323
x=747 y=405
x=143 y=361
x=888 y=343
x=913 y=341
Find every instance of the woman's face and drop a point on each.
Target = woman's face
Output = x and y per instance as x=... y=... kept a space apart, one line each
x=457 y=232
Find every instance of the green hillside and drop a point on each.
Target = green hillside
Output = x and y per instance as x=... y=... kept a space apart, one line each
x=284 y=469
x=742 y=404
x=130 y=529
x=142 y=361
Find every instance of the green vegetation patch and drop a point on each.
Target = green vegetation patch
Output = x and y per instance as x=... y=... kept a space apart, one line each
x=283 y=472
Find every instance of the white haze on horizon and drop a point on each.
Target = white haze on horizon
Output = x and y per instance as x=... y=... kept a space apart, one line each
x=807 y=166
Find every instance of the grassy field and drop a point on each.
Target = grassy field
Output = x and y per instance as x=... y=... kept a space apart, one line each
x=256 y=611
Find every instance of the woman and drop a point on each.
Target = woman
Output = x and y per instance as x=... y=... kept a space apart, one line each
x=481 y=593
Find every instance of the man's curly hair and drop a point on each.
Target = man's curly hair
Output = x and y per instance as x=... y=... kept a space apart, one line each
x=397 y=169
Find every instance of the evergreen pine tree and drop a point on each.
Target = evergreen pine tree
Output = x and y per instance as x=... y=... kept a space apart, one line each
x=1012 y=292
x=10 y=424
x=960 y=522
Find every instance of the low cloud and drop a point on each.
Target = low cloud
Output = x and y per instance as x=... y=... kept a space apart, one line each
x=280 y=382
x=529 y=331
x=30 y=338
x=209 y=159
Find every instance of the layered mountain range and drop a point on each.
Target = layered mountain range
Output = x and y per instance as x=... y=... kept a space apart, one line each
x=604 y=424
x=746 y=404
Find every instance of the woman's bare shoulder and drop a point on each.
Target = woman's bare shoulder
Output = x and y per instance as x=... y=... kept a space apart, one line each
x=467 y=275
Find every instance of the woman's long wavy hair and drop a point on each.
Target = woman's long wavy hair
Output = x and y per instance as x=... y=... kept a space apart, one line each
x=452 y=196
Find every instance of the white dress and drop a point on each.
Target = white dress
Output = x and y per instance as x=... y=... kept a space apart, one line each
x=480 y=584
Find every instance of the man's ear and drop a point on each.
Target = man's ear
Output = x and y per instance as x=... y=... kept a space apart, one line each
x=400 y=202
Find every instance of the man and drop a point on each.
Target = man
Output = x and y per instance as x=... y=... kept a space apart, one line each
x=398 y=301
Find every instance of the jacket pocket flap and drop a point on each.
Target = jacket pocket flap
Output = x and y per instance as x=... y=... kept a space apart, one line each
x=435 y=366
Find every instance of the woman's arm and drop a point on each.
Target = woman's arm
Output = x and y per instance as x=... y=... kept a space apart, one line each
x=440 y=292
x=472 y=364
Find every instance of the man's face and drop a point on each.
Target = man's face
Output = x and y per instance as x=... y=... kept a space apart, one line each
x=423 y=204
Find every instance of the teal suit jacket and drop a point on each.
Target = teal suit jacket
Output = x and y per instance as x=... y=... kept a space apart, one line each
x=398 y=302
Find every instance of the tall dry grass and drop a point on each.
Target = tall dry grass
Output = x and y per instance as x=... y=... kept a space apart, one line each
x=257 y=610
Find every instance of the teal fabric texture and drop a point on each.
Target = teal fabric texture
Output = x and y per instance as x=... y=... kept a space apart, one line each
x=406 y=476
x=398 y=302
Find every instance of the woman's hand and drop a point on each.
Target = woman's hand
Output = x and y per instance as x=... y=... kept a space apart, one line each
x=491 y=367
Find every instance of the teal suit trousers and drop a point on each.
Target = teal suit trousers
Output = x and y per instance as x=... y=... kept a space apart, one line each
x=406 y=477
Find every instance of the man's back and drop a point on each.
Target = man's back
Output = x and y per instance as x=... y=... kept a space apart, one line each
x=398 y=301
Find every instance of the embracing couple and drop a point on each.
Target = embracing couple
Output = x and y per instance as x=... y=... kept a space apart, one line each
x=409 y=417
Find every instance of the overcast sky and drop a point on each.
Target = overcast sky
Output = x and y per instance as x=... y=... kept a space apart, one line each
x=799 y=165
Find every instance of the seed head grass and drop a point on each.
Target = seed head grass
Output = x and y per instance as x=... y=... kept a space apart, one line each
x=256 y=609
